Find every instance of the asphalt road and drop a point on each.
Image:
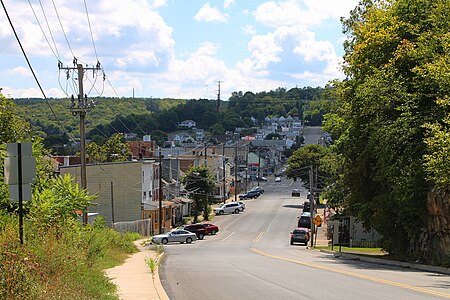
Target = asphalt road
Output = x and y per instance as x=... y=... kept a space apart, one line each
x=250 y=258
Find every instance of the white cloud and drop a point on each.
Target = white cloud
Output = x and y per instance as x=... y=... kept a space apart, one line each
x=249 y=29
x=228 y=3
x=302 y=12
x=210 y=14
x=20 y=71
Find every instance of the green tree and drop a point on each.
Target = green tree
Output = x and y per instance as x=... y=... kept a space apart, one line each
x=199 y=183
x=115 y=149
x=217 y=129
x=396 y=64
x=159 y=137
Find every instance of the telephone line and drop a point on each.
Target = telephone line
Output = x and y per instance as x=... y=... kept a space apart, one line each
x=62 y=28
x=49 y=29
x=90 y=28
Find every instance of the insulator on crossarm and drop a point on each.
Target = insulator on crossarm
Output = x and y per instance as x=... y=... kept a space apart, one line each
x=72 y=101
x=74 y=61
x=98 y=65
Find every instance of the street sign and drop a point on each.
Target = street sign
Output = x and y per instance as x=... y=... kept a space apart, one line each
x=14 y=192
x=317 y=220
x=12 y=170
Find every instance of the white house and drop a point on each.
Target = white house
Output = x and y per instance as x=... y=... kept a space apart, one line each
x=187 y=123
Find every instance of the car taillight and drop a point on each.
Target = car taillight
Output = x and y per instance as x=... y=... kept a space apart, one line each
x=292 y=235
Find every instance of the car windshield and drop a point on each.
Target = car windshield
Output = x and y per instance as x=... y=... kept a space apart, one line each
x=299 y=231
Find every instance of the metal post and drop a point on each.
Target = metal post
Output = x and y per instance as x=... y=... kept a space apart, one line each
x=259 y=165
x=19 y=165
x=112 y=202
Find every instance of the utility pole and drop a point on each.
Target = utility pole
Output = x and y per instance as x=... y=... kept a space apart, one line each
x=235 y=171
x=218 y=96
x=81 y=109
x=160 y=194
x=311 y=202
x=224 y=174
x=259 y=165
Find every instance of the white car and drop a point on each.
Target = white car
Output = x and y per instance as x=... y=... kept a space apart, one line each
x=232 y=207
x=176 y=235
x=277 y=179
x=242 y=204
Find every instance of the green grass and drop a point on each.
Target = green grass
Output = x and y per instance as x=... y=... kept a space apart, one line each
x=363 y=251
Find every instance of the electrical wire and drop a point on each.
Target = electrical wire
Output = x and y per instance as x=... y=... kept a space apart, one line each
x=62 y=28
x=49 y=29
x=32 y=71
x=42 y=30
x=90 y=28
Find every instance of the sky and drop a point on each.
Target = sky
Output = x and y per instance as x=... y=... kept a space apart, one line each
x=170 y=48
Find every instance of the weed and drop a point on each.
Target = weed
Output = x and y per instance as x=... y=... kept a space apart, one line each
x=151 y=264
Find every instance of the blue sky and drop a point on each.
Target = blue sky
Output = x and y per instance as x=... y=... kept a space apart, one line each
x=172 y=48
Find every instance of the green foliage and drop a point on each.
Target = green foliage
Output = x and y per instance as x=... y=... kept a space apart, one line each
x=397 y=66
x=216 y=129
x=199 y=183
x=115 y=149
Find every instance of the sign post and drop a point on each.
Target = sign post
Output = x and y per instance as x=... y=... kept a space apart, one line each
x=20 y=173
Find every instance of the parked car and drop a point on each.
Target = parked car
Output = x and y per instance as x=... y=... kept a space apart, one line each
x=198 y=229
x=306 y=207
x=295 y=193
x=258 y=189
x=210 y=228
x=177 y=235
x=277 y=179
x=250 y=195
x=233 y=207
x=241 y=203
x=300 y=235
x=262 y=178
x=304 y=221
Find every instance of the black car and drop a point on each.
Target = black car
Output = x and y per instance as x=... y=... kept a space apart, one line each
x=199 y=230
x=300 y=235
x=304 y=221
x=249 y=195
x=306 y=207
x=295 y=193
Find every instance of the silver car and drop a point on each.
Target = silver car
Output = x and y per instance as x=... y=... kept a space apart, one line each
x=177 y=235
x=232 y=207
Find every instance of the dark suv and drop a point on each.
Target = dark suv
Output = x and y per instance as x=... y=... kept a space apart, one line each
x=199 y=230
x=249 y=195
x=304 y=221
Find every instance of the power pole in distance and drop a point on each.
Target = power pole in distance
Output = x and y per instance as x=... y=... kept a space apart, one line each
x=160 y=194
x=81 y=109
x=218 y=96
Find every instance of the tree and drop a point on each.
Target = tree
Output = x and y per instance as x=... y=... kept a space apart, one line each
x=217 y=129
x=159 y=137
x=115 y=149
x=303 y=159
x=199 y=183
x=396 y=69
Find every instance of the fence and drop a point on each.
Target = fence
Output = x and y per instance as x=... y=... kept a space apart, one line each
x=143 y=227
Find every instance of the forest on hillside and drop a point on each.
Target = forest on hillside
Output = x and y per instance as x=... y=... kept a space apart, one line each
x=159 y=117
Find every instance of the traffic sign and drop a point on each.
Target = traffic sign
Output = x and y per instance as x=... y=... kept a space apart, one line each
x=317 y=220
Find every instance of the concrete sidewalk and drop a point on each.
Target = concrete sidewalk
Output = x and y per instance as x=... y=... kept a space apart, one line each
x=134 y=279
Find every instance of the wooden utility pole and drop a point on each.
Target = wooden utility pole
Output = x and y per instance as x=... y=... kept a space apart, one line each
x=218 y=96
x=224 y=174
x=81 y=109
x=311 y=202
x=235 y=172
x=160 y=194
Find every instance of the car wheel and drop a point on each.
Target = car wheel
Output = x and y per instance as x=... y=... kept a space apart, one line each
x=255 y=197
x=164 y=241
x=236 y=211
x=221 y=212
x=213 y=232
x=189 y=240
x=201 y=236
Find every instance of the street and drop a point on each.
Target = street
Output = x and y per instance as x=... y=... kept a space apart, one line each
x=251 y=258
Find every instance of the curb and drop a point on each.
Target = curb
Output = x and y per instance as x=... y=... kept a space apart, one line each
x=394 y=263
x=157 y=281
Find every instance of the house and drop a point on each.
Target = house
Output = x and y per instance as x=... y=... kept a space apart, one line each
x=199 y=135
x=142 y=149
x=187 y=124
x=182 y=137
x=127 y=191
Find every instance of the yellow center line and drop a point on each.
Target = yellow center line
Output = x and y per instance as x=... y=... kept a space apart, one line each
x=379 y=280
x=260 y=235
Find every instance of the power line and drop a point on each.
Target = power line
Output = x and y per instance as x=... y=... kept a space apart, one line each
x=62 y=28
x=32 y=71
x=42 y=30
x=48 y=26
x=90 y=29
